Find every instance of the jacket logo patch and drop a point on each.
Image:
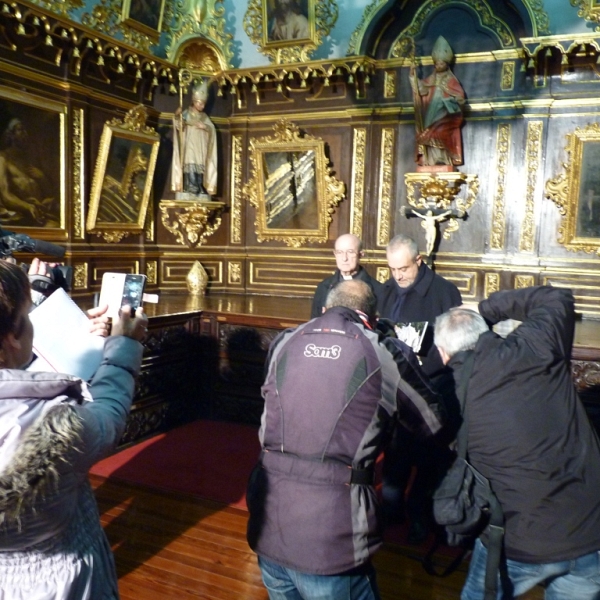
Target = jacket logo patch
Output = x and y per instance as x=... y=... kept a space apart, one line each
x=312 y=351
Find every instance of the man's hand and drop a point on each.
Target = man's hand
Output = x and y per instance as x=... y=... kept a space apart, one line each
x=133 y=327
x=99 y=322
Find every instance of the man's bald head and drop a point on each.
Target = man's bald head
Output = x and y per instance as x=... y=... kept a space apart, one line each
x=354 y=294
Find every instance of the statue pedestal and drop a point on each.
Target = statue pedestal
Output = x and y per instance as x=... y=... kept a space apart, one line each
x=192 y=197
x=436 y=169
x=191 y=221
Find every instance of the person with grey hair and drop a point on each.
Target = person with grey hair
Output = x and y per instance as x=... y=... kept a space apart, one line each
x=458 y=330
x=348 y=252
x=339 y=387
x=529 y=434
x=414 y=294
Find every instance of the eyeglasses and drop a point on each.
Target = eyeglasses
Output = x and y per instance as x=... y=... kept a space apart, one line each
x=348 y=253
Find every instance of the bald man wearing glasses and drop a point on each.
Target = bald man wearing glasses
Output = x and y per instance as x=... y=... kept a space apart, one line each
x=348 y=252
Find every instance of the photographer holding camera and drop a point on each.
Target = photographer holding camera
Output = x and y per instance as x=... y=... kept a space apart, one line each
x=45 y=277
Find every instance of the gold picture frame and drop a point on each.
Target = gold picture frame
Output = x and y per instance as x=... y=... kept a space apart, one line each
x=33 y=164
x=123 y=177
x=576 y=191
x=291 y=187
x=144 y=15
x=293 y=36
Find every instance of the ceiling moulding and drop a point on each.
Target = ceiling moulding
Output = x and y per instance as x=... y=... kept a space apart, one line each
x=355 y=72
x=87 y=54
x=567 y=50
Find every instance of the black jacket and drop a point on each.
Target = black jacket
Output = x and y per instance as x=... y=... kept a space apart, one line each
x=330 y=282
x=528 y=431
x=431 y=296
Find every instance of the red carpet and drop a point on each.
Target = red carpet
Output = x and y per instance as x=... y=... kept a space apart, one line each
x=209 y=459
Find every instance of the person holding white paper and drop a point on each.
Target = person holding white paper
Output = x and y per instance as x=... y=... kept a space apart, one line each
x=53 y=428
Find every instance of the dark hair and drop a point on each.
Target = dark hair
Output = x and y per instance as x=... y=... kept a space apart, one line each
x=14 y=293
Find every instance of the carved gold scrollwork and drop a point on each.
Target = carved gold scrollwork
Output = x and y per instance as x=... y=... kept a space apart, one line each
x=498 y=212
x=577 y=231
x=358 y=182
x=387 y=162
x=78 y=173
x=524 y=281
x=492 y=284
x=533 y=159
x=191 y=222
x=383 y=274
x=236 y=189
x=589 y=10
x=80 y=276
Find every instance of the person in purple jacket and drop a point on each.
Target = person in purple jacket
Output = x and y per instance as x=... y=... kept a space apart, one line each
x=333 y=390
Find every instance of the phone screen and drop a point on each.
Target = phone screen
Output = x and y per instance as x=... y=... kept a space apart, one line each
x=133 y=290
x=119 y=289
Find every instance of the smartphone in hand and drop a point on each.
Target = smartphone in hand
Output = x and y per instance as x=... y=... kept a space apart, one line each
x=120 y=289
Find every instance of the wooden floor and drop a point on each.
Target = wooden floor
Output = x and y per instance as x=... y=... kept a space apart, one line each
x=172 y=546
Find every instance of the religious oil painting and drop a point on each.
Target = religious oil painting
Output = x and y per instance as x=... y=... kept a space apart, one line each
x=32 y=161
x=290 y=190
x=588 y=207
x=292 y=186
x=123 y=177
x=576 y=192
x=144 y=15
x=286 y=22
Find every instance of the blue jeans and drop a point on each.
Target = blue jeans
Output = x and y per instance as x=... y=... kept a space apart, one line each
x=283 y=583
x=577 y=579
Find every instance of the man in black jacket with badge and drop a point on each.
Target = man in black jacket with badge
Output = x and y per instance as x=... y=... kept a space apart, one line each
x=530 y=436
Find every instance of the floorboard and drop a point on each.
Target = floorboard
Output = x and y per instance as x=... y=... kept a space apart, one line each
x=178 y=547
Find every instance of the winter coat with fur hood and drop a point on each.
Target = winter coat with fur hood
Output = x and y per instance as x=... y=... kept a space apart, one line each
x=53 y=428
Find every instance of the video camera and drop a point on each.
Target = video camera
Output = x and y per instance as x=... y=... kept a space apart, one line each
x=59 y=276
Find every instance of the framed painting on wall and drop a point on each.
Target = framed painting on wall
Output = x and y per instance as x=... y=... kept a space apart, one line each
x=32 y=162
x=576 y=191
x=292 y=187
x=289 y=31
x=144 y=15
x=123 y=177
x=287 y=22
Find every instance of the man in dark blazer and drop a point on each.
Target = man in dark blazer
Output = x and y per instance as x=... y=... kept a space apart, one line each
x=348 y=252
x=414 y=293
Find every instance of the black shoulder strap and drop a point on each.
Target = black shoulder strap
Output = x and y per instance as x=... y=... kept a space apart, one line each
x=496 y=525
x=461 y=393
